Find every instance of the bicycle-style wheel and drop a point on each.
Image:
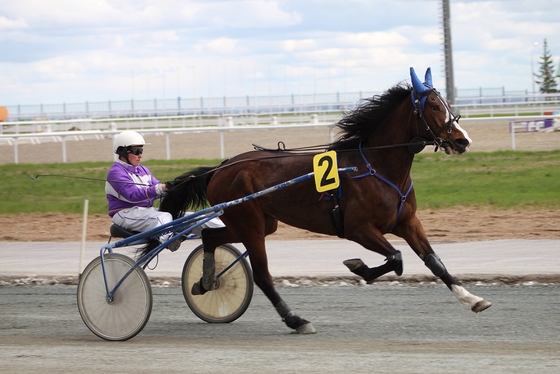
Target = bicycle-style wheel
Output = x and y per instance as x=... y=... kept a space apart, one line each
x=234 y=289
x=127 y=313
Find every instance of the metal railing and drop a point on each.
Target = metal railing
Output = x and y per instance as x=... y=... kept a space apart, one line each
x=188 y=107
x=224 y=106
x=240 y=117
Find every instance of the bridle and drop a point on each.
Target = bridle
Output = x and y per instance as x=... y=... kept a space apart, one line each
x=419 y=106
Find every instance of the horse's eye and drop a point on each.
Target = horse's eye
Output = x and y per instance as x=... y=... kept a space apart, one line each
x=435 y=108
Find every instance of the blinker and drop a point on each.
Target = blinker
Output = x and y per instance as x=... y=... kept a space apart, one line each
x=416 y=145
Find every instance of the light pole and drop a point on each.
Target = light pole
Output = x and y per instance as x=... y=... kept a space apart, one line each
x=448 y=53
x=532 y=69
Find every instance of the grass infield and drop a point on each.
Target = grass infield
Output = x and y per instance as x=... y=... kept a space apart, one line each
x=500 y=180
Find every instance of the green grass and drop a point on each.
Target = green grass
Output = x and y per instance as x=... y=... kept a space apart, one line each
x=500 y=180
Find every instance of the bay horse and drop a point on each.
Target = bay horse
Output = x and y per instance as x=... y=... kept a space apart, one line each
x=380 y=137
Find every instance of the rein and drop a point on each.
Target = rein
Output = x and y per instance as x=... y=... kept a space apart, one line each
x=322 y=147
x=417 y=143
x=85 y=178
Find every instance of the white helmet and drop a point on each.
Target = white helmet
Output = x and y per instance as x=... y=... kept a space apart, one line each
x=126 y=139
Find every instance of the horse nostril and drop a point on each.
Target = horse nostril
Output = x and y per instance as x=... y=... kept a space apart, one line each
x=463 y=142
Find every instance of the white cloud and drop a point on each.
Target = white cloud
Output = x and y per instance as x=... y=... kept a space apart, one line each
x=374 y=39
x=222 y=45
x=10 y=24
x=293 y=45
x=240 y=14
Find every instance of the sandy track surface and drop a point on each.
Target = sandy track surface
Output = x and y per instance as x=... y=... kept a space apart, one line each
x=444 y=225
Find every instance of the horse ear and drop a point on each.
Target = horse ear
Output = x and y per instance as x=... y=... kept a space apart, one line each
x=428 y=78
x=419 y=87
x=416 y=83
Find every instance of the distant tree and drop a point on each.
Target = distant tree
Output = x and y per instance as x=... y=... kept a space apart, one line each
x=546 y=78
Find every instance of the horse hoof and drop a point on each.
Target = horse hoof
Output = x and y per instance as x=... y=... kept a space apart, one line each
x=306 y=329
x=481 y=305
x=353 y=263
x=197 y=289
x=396 y=259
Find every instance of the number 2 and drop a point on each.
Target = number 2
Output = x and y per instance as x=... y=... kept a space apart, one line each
x=325 y=181
x=326 y=171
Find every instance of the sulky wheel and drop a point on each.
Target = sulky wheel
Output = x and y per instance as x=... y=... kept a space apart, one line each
x=127 y=313
x=232 y=296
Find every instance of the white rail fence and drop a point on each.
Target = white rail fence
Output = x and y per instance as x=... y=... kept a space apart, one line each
x=528 y=125
x=39 y=132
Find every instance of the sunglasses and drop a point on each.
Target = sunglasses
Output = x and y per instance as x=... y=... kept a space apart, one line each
x=136 y=151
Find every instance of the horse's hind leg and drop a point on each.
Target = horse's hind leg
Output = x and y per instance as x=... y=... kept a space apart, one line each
x=253 y=239
x=415 y=236
x=263 y=280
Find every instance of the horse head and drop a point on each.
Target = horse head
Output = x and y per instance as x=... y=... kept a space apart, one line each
x=441 y=125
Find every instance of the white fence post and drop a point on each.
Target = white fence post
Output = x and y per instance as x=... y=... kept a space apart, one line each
x=512 y=130
x=64 y=149
x=16 y=158
x=167 y=147
x=84 y=232
x=222 y=151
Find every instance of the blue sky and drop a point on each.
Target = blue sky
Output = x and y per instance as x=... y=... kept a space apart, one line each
x=96 y=50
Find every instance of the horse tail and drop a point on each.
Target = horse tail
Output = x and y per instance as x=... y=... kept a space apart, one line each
x=146 y=248
x=187 y=191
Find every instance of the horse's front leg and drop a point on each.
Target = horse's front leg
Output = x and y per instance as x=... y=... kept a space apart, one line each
x=413 y=232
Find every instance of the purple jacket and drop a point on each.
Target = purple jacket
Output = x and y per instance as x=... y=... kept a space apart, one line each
x=128 y=186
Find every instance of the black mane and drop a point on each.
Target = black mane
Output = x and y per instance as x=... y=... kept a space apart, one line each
x=358 y=124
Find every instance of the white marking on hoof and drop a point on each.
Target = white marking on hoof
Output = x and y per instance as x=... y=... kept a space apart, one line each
x=481 y=305
x=306 y=329
x=477 y=304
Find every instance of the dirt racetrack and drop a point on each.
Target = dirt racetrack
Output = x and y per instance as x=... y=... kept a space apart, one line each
x=444 y=225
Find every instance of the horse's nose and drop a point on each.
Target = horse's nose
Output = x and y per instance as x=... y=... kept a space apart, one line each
x=462 y=144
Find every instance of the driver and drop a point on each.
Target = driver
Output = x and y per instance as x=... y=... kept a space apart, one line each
x=131 y=190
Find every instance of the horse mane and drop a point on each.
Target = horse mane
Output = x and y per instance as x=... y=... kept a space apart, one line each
x=358 y=124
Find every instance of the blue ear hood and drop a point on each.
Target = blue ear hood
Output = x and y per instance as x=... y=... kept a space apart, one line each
x=421 y=89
